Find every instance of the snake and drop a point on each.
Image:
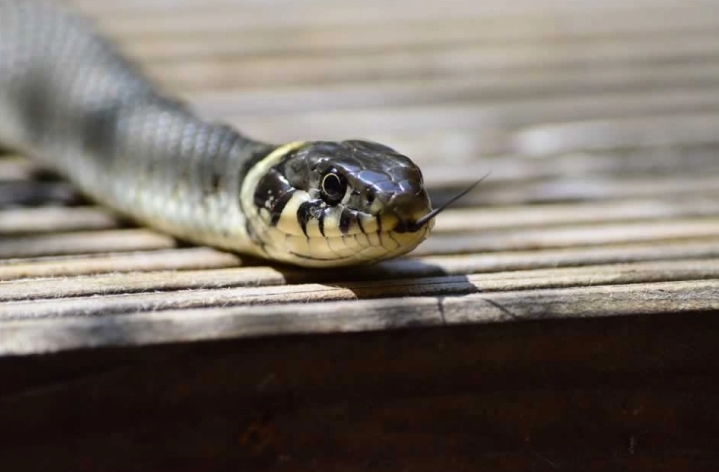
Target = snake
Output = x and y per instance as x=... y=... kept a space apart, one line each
x=71 y=100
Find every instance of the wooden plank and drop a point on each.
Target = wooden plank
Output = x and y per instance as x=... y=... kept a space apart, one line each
x=500 y=156
x=492 y=85
x=45 y=335
x=102 y=263
x=226 y=18
x=47 y=219
x=592 y=395
x=266 y=285
x=617 y=133
x=581 y=213
x=497 y=114
x=82 y=242
x=570 y=236
x=226 y=72
x=546 y=28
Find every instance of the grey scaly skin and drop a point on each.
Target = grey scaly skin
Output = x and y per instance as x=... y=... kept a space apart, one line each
x=71 y=101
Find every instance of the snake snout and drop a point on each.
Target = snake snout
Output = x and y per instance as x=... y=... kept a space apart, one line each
x=409 y=208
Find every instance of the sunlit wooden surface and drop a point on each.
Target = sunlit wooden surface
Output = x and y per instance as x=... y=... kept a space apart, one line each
x=591 y=251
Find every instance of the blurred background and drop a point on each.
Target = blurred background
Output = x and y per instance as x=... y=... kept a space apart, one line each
x=597 y=99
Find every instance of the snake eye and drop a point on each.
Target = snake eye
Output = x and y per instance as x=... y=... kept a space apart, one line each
x=334 y=187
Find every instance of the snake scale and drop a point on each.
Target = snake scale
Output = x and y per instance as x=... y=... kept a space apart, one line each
x=69 y=99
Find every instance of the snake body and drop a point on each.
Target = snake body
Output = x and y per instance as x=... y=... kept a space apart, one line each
x=69 y=99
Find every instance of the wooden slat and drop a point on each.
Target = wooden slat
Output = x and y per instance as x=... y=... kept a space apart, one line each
x=167 y=259
x=83 y=243
x=595 y=213
x=487 y=86
x=272 y=39
x=228 y=16
x=51 y=219
x=217 y=289
x=590 y=235
x=499 y=114
x=223 y=73
x=618 y=133
x=346 y=316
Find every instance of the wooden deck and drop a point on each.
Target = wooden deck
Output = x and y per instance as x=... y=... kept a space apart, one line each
x=562 y=317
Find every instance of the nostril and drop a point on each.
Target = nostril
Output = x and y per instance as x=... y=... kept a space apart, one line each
x=370 y=197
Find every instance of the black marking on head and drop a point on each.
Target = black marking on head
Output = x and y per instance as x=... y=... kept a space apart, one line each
x=379 y=228
x=321 y=221
x=307 y=211
x=242 y=149
x=249 y=152
x=346 y=219
x=359 y=223
x=278 y=207
x=272 y=193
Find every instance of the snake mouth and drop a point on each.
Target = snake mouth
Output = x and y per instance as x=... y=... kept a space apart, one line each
x=409 y=226
x=406 y=226
x=382 y=242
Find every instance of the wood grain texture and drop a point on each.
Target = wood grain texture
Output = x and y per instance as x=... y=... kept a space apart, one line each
x=561 y=317
x=599 y=137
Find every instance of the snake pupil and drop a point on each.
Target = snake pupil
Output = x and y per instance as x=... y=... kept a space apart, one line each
x=334 y=187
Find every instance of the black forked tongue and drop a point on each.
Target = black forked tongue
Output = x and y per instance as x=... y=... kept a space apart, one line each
x=411 y=227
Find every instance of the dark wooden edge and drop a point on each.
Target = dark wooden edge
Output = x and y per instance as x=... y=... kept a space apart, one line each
x=613 y=393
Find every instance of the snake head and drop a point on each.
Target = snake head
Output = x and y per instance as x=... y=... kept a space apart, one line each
x=338 y=203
